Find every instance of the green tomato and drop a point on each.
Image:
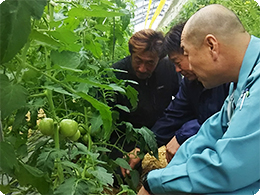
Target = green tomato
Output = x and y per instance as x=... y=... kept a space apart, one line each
x=46 y=126
x=82 y=129
x=85 y=139
x=76 y=136
x=68 y=127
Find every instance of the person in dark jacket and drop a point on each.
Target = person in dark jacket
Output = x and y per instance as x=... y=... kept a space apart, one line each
x=156 y=83
x=156 y=76
x=191 y=106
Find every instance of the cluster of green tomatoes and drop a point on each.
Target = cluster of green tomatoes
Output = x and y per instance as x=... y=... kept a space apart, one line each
x=67 y=128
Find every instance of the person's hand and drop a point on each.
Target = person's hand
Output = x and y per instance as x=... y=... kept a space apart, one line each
x=142 y=191
x=133 y=160
x=171 y=148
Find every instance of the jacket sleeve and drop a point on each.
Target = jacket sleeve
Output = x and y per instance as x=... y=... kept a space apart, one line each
x=176 y=114
x=223 y=157
x=187 y=130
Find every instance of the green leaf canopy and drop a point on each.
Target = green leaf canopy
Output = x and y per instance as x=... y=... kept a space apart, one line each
x=15 y=25
x=13 y=96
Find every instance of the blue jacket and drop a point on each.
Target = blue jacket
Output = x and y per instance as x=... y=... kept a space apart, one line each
x=224 y=156
x=191 y=107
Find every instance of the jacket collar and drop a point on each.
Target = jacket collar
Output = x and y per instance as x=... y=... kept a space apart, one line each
x=251 y=58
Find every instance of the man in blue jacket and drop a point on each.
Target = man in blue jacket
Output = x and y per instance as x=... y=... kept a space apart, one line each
x=224 y=156
x=192 y=105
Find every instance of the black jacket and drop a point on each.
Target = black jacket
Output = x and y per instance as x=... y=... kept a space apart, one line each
x=155 y=93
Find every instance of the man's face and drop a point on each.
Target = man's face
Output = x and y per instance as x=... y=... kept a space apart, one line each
x=182 y=65
x=200 y=62
x=144 y=63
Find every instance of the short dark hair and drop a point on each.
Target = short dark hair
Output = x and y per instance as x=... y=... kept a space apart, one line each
x=172 y=40
x=147 y=40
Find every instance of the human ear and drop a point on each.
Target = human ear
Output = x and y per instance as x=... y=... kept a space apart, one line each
x=212 y=44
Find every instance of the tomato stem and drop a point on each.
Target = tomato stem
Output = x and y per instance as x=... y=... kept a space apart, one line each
x=22 y=62
x=86 y=123
x=50 y=102
x=37 y=95
x=56 y=136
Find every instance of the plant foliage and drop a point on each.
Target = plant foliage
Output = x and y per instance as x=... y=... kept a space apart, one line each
x=55 y=62
x=248 y=12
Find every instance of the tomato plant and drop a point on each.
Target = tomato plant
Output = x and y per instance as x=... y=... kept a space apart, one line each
x=56 y=57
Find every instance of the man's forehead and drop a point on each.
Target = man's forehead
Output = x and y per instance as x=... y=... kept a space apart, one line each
x=184 y=35
x=146 y=55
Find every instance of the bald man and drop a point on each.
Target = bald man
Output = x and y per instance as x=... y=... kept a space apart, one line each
x=224 y=156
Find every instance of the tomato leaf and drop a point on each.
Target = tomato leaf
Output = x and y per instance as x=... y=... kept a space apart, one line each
x=70 y=165
x=135 y=177
x=96 y=122
x=124 y=108
x=82 y=147
x=20 y=118
x=83 y=13
x=67 y=37
x=117 y=88
x=8 y=161
x=74 y=186
x=90 y=82
x=45 y=40
x=46 y=159
x=5 y=189
x=27 y=174
x=132 y=95
x=102 y=28
x=67 y=59
x=14 y=16
x=68 y=186
x=101 y=174
x=3 y=81
x=149 y=138
x=95 y=48
x=8 y=99
x=58 y=89
x=35 y=7
x=67 y=68
x=123 y=163
x=104 y=110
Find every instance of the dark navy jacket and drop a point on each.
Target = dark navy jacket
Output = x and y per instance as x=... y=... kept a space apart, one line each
x=191 y=107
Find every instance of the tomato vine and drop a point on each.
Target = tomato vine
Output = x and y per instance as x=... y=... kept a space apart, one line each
x=56 y=57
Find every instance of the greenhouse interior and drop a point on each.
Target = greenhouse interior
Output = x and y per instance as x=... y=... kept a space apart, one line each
x=104 y=97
